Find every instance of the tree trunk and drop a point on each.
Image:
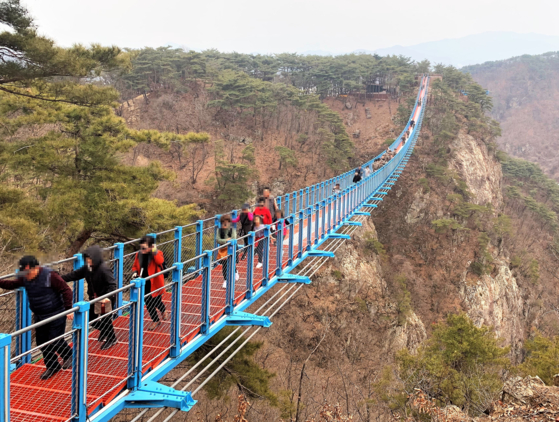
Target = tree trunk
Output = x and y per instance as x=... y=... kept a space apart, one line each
x=79 y=242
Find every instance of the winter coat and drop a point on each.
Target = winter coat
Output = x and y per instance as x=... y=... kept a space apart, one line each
x=271 y=204
x=264 y=213
x=224 y=234
x=48 y=294
x=246 y=222
x=356 y=178
x=100 y=279
x=155 y=265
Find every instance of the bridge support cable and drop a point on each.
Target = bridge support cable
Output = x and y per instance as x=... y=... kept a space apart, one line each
x=216 y=359
x=216 y=348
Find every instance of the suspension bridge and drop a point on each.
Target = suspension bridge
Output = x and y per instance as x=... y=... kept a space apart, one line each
x=101 y=383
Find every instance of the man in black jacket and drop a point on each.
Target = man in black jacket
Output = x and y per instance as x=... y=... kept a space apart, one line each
x=48 y=296
x=100 y=281
x=357 y=176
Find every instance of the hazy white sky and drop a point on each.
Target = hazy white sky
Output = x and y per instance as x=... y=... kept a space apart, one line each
x=288 y=25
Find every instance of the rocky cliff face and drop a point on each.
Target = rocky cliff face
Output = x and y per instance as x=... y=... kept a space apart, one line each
x=496 y=300
x=481 y=171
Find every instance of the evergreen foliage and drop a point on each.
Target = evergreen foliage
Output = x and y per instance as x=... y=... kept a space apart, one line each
x=460 y=364
x=64 y=183
x=542 y=358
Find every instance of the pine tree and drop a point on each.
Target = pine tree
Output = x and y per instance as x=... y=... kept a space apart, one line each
x=61 y=148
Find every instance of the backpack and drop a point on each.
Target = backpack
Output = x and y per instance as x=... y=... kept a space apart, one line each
x=164 y=267
x=245 y=223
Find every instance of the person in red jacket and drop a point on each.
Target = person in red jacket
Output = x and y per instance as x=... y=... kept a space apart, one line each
x=262 y=211
x=147 y=262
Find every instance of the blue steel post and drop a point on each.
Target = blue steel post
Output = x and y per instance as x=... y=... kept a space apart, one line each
x=322 y=192
x=118 y=272
x=300 y=234
x=311 y=194
x=345 y=203
x=291 y=229
x=136 y=333
x=206 y=291
x=217 y=225
x=330 y=215
x=316 y=223
x=5 y=349
x=335 y=210
x=23 y=320
x=309 y=229
x=250 y=265
x=176 y=310
x=295 y=209
x=78 y=285
x=287 y=207
x=231 y=271
x=323 y=206
x=199 y=242
x=80 y=342
x=266 y=253
x=279 y=247
x=307 y=198
x=178 y=244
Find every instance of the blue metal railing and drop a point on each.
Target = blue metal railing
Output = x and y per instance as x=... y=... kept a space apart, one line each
x=313 y=214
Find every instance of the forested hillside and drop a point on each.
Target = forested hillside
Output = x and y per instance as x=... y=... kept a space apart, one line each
x=270 y=119
x=525 y=93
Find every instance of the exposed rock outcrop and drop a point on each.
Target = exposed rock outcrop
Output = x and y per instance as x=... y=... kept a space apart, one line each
x=481 y=171
x=496 y=301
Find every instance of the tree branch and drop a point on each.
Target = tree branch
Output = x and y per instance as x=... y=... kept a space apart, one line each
x=36 y=97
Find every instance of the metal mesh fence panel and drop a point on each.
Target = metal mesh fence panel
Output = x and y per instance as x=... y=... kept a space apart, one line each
x=8 y=312
x=218 y=287
x=27 y=386
x=107 y=367
x=208 y=239
x=191 y=291
x=188 y=247
x=242 y=282
x=157 y=324
x=128 y=262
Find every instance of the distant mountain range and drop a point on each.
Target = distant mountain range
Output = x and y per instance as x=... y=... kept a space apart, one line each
x=459 y=52
x=474 y=49
x=469 y=50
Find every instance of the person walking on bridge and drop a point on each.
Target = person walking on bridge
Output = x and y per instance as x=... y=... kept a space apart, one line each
x=357 y=176
x=225 y=234
x=48 y=296
x=245 y=218
x=367 y=171
x=269 y=202
x=147 y=262
x=259 y=239
x=336 y=189
x=100 y=281
x=263 y=212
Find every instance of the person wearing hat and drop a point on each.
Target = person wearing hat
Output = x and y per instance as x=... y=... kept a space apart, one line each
x=246 y=219
x=100 y=281
x=48 y=296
